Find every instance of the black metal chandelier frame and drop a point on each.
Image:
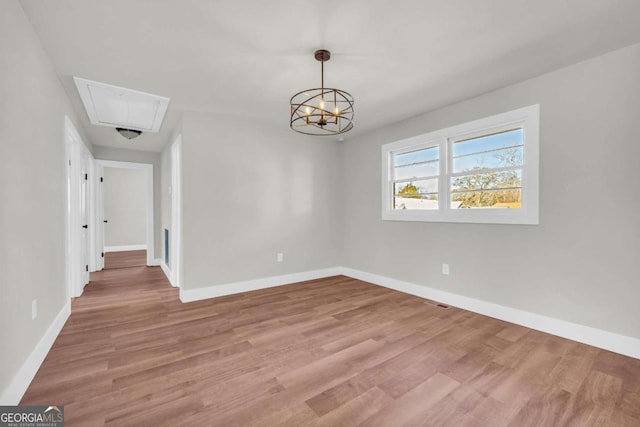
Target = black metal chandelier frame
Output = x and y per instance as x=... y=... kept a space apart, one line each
x=322 y=111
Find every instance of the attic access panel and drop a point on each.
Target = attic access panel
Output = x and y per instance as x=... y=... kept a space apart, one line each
x=115 y=106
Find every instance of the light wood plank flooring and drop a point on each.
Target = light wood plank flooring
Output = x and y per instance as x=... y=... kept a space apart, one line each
x=125 y=259
x=329 y=352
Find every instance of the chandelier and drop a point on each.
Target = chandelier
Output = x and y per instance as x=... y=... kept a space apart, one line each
x=323 y=110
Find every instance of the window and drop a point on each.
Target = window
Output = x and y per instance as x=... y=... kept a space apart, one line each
x=484 y=171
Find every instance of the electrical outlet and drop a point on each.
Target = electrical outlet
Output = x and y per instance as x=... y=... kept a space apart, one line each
x=34 y=309
x=445 y=269
x=279 y=257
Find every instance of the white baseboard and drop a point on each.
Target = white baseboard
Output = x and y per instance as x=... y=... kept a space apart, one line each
x=621 y=344
x=156 y=262
x=125 y=248
x=253 y=285
x=167 y=272
x=12 y=394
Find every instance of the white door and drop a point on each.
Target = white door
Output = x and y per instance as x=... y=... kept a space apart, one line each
x=101 y=221
x=84 y=220
x=79 y=159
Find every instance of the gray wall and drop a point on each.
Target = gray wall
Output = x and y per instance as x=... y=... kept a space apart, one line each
x=581 y=263
x=32 y=189
x=125 y=206
x=135 y=156
x=250 y=191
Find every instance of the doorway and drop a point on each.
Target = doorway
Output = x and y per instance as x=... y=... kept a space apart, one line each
x=125 y=213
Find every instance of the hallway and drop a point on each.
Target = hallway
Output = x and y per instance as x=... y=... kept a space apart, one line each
x=105 y=337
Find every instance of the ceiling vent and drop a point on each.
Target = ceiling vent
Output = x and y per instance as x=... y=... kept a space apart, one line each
x=118 y=107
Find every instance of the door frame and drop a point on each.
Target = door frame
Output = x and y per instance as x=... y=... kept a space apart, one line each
x=175 y=259
x=93 y=189
x=148 y=169
x=77 y=153
x=98 y=217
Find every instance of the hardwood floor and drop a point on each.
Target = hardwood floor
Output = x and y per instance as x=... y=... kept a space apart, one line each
x=125 y=259
x=329 y=352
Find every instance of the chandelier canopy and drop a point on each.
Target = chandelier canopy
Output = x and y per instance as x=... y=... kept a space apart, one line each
x=322 y=111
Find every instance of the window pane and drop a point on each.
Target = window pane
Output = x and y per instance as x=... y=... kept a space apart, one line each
x=487 y=180
x=418 y=156
x=489 y=160
x=493 y=189
x=496 y=199
x=421 y=194
x=404 y=203
x=510 y=138
x=416 y=170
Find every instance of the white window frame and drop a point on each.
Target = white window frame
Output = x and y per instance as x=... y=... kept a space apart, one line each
x=528 y=118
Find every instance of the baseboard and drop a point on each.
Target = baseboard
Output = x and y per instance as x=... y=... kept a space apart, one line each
x=167 y=273
x=621 y=344
x=125 y=248
x=157 y=262
x=12 y=394
x=253 y=285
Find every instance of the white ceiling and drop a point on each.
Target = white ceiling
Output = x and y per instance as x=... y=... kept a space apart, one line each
x=398 y=59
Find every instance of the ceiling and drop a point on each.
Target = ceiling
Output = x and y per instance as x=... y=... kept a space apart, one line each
x=247 y=58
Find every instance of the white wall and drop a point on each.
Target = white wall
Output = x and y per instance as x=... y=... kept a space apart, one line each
x=250 y=191
x=33 y=191
x=581 y=263
x=125 y=206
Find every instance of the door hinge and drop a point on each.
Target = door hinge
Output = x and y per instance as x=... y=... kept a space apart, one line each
x=102 y=254
x=101 y=179
x=86 y=268
x=86 y=177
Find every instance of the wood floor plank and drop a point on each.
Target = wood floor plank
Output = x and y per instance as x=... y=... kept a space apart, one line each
x=327 y=352
x=570 y=372
x=452 y=410
x=125 y=259
x=546 y=408
x=595 y=402
x=355 y=411
x=411 y=408
x=413 y=375
x=488 y=412
x=525 y=380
